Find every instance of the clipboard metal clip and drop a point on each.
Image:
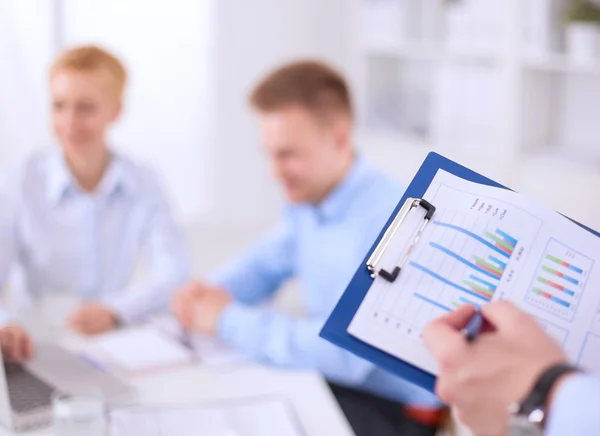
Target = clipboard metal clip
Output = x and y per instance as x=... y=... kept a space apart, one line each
x=390 y=233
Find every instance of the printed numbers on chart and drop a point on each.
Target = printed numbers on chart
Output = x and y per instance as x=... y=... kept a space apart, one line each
x=570 y=255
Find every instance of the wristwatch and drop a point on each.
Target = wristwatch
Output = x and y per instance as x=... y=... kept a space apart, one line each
x=528 y=417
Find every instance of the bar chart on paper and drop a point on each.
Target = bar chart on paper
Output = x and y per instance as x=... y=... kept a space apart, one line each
x=481 y=245
x=560 y=280
x=482 y=275
x=461 y=259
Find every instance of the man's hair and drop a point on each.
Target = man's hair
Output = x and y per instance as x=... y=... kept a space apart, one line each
x=310 y=84
x=93 y=59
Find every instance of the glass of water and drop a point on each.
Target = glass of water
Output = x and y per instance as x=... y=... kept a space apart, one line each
x=82 y=413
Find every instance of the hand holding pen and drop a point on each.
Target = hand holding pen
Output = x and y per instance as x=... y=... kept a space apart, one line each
x=481 y=378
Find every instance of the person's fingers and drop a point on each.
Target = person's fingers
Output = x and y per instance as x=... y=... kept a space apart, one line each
x=14 y=345
x=504 y=316
x=21 y=345
x=81 y=320
x=443 y=337
x=78 y=323
x=100 y=320
x=187 y=317
x=96 y=322
x=73 y=322
x=8 y=344
x=197 y=289
x=184 y=310
x=78 y=317
x=27 y=346
x=443 y=390
x=179 y=310
x=104 y=324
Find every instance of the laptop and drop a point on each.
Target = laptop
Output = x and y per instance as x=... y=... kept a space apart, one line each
x=26 y=390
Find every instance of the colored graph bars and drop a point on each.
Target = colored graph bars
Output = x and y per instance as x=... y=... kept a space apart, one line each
x=485 y=271
x=559 y=281
x=506 y=244
x=564 y=263
x=551 y=297
x=499 y=241
x=561 y=275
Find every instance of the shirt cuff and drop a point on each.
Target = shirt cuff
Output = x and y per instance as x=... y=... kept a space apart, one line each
x=233 y=322
x=226 y=280
x=568 y=410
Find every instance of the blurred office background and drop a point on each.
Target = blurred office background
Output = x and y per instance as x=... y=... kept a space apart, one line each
x=511 y=88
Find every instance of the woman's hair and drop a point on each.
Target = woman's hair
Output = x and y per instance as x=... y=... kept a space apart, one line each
x=93 y=59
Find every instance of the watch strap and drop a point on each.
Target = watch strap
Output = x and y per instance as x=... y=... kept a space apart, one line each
x=538 y=397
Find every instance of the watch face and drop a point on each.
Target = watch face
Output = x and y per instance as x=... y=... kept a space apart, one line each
x=519 y=425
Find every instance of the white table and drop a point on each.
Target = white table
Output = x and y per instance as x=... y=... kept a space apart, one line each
x=313 y=403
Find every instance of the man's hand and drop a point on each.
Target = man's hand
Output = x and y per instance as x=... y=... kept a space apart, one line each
x=17 y=345
x=92 y=319
x=198 y=307
x=481 y=379
x=182 y=304
x=207 y=310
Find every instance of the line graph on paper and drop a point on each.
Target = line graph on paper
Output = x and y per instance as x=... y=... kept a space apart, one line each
x=461 y=259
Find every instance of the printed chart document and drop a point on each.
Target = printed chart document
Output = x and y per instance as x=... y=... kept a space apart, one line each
x=484 y=244
x=249 y=417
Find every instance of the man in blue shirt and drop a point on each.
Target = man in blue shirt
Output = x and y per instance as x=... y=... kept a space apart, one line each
x=514 y=362
x=338 y=204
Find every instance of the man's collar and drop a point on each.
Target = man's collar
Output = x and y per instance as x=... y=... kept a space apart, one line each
x=336 y=203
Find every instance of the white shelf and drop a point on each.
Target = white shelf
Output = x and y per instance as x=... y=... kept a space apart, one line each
x=430 y=52
x=562 y=155
x=496 y=92
x=560 y=63
x=391 y=139
x=414 y=51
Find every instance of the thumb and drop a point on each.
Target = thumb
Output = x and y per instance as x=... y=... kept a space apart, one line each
x=504 y=316
x=443 y=335
x=197 y=289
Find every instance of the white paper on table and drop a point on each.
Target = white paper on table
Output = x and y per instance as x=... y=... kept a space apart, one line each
x=261 y=416
x=139 y=349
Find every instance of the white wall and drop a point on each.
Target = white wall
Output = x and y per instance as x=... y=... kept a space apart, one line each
x=26 y=49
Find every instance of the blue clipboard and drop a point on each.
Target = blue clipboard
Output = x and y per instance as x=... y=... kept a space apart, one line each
x=335 y=329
